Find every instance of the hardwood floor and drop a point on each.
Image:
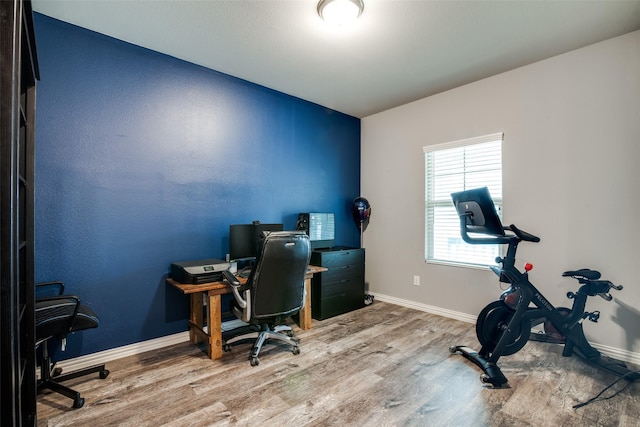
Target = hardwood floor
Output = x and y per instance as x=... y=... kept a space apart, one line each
x=383 y=365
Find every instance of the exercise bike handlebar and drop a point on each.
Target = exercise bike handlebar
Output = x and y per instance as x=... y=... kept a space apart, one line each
x=486 y=239
x=606 y=297
x=495 y=239
x=602 y=288
x=522 y=235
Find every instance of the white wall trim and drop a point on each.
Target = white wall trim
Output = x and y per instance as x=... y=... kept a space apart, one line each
x=135 y=348
x=120 y=352
x=617 y=353
x=620 y=354
x=157 y=343
x=427 y=308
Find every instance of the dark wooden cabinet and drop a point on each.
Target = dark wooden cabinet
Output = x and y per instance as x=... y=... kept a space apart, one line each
x=340 y=289
x=18 y=75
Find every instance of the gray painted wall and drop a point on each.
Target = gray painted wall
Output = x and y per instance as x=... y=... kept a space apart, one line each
x=570 y=173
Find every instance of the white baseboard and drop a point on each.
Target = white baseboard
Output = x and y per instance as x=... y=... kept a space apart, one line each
x=119 y=352
x=617 y=353
x=154 y=344
x=427 y=308
x=136 y=348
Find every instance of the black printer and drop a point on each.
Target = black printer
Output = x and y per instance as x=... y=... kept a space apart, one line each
x=200 y=271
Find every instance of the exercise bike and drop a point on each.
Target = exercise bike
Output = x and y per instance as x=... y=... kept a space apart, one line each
x=504 y=326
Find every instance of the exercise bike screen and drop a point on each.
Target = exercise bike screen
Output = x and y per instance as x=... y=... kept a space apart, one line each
x=480 y=212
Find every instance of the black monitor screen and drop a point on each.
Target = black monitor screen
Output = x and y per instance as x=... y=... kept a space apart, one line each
x=241 y=243
x=244 y=239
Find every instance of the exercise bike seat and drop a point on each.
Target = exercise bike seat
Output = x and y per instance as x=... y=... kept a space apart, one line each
x=583 y=273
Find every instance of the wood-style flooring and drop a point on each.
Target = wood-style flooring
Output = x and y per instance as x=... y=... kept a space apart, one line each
x=383 y=365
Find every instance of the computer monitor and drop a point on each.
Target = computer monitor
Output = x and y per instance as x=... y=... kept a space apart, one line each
x=244 y=239
x=241 y=242
x=320 y=226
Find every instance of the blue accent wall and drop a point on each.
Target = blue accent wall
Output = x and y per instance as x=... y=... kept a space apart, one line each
x=143 y=159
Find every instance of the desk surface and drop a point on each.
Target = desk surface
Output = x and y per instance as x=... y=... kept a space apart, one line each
x=222 y=286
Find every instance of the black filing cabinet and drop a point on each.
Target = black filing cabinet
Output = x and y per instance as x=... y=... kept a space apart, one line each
x=340 y=289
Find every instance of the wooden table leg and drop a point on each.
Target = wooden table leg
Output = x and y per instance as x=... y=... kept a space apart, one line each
x=305 y=312
x=214 y=323
x=195 y=316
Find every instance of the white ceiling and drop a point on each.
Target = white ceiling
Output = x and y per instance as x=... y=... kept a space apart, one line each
x=397 y=52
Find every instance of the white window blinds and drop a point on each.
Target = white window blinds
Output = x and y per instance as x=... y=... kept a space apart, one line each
x=457 y=166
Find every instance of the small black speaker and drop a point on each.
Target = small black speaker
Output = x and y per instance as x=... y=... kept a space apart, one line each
x=303 y=222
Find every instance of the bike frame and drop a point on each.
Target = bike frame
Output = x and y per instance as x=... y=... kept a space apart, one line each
x=569 y=326
x=502 y=325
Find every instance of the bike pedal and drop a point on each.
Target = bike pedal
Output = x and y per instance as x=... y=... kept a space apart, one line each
x=594 y=316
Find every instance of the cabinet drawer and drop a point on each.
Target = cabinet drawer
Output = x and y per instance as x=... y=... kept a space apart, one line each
x=336 y=305
x=329 y=258
x=338 y=287
x=339 y=272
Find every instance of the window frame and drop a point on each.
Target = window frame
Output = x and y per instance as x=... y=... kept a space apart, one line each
x=430 y=204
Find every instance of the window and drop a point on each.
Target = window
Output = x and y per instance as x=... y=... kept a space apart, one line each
x=457 y=166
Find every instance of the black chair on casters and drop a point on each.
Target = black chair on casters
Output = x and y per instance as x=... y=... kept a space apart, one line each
x=56 y=316
x=273 y=291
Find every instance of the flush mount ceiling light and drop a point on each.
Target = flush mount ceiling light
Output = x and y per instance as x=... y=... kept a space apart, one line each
x=340 y=12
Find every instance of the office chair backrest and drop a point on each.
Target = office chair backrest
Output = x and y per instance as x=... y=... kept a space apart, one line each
x=277 y=280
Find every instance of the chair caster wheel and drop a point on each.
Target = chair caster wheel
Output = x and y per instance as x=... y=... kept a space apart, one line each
x=56 y=372
x=296 y=350
x=104 y=374
x=453 y=349
x=78 y=402
x=254 y=361
x=226 y=347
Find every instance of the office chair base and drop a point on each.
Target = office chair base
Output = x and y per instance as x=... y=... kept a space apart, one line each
x=282 y=333
x=51 y=380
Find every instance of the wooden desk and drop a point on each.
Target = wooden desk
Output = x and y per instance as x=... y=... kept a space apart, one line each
x=209 y=294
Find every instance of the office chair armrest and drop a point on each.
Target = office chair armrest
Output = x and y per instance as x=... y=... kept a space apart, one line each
x=235 y=287
x=241 y=302
x=48 y=286
x=230 y=278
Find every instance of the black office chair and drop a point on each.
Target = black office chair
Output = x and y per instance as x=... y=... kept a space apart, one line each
x=273 y=291
x=56 y=316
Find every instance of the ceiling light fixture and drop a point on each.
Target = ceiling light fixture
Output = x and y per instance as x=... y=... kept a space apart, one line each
x=340 y=12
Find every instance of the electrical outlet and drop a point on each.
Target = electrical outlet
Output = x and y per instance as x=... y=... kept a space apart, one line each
x=416 y=280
